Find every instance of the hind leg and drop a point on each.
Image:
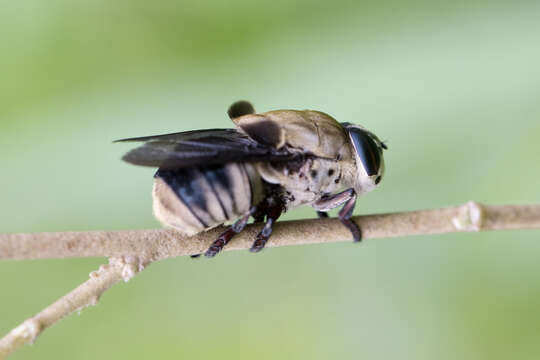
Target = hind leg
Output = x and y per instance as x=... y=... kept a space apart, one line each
x=226 y=236
x=270 y=208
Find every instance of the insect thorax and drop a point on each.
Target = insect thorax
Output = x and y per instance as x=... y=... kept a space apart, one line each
x=306 y=181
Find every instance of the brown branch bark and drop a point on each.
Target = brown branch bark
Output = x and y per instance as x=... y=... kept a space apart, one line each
x=130 y=251
x=160 y=243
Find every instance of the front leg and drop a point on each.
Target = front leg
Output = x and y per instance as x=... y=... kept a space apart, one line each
x=345 y=216
x=347 y=197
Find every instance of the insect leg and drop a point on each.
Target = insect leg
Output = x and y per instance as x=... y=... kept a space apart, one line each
x=329 y=202
x=274 y=212
x=260 y=212
x=322 y=214
x=220 y=242
x=345 y=216
x=347 y=197
x=226 y=236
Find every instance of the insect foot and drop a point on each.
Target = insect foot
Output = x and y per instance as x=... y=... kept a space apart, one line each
x=226 y=236
x=220 y=242
x=345 y=215
x=261 y=239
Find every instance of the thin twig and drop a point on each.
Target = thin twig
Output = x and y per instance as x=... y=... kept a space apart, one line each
x=86 y=294
x=130 y=251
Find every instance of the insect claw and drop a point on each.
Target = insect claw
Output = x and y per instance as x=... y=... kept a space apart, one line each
x=353 y=228
x=226 y=236
x=220 y=242
x=259 y=243
x=356 y=232
x=345 y=215
x=211 y=252
x=195 y=256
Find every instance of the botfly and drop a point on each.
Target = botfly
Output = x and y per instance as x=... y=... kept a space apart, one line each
x=270 y=163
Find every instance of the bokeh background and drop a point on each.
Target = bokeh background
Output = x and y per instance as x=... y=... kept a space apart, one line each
x=453 y=87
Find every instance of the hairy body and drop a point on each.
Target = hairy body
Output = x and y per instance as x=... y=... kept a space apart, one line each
x=270 y=163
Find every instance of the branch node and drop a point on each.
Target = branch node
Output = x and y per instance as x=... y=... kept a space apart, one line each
x=130 y=266
x=93 y=301
x=28 y=330
x=470 y=217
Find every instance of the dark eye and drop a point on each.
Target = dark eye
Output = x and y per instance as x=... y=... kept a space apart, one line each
x=366 y=149
x=378 y=180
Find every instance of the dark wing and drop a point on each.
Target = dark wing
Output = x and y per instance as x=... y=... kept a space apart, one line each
x=202 y=147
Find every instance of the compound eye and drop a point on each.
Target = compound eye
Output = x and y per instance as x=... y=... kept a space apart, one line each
x=367 y=150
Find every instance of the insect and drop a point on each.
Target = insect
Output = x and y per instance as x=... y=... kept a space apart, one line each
x=268 y=164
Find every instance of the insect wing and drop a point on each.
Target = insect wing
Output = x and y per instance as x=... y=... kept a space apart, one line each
x=201 y=147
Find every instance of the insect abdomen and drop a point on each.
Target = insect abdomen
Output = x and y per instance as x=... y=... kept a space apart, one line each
x=195 y=199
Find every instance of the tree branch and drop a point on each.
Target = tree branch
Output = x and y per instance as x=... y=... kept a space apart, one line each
x=130 y=251
x=152 y=245
x=86 y=294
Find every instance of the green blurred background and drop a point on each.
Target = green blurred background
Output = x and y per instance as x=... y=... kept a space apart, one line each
x=453 y=87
